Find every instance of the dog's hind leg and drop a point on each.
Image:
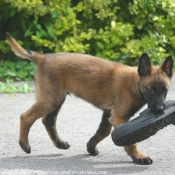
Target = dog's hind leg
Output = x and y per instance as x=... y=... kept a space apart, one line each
x=26 y=121
x=50 y=124
x=102 y=132
x=38 y=110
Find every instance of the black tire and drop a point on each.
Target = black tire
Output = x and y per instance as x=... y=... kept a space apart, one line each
x=144 y=126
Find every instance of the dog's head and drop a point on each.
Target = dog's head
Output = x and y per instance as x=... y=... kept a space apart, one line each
x=154 y=82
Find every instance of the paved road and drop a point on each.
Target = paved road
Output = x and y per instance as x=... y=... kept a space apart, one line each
x=77 y=122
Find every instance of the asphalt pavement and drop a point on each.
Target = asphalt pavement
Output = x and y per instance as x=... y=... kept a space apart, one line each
x=76 y=123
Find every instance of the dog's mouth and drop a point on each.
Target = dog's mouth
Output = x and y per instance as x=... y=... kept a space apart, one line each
x=158 y=109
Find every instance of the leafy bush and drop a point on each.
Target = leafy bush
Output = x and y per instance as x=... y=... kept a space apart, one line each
x=114 y=29
x=19 y=70
x=7 y=88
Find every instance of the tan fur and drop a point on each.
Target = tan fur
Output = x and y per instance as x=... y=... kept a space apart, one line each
x=107 y=85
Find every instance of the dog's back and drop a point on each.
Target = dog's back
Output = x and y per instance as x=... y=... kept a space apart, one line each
x=78 y=74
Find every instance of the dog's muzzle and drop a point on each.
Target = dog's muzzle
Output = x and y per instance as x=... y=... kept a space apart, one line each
x=158 y=109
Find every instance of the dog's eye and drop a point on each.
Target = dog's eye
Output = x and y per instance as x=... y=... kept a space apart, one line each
x=151 y=90
x=164 y=89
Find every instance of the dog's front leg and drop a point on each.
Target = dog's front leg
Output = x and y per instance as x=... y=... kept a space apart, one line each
x=132 y=150
x=138 y=157
x=103 y=131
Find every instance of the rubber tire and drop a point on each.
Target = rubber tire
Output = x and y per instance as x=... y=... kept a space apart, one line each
x=144 y=126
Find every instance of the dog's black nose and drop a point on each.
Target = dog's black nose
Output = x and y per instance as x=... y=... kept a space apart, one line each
x=159 y=109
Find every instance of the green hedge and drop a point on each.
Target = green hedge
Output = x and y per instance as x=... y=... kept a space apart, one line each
x=119 y=30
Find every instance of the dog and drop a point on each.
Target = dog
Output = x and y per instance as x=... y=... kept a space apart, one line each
x=117 y=89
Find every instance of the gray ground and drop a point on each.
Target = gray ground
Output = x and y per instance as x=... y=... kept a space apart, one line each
x=77 y=122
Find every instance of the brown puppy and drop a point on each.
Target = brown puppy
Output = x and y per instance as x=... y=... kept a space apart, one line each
x=117 y=89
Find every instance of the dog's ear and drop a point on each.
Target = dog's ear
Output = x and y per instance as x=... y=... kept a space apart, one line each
x=144 y=67
x=167 y=66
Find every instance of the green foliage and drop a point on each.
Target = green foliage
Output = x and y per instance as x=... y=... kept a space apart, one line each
x=6 y=88
x=114 y=29
x=19 y=70
x=154 y=27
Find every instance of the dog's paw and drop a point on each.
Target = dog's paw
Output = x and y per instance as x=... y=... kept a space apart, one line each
x=90 y=149
x=62 y=145
x=25 y=147
x=143 y=161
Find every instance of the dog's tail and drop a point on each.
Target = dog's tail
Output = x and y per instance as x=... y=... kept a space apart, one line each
x=21 y=52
